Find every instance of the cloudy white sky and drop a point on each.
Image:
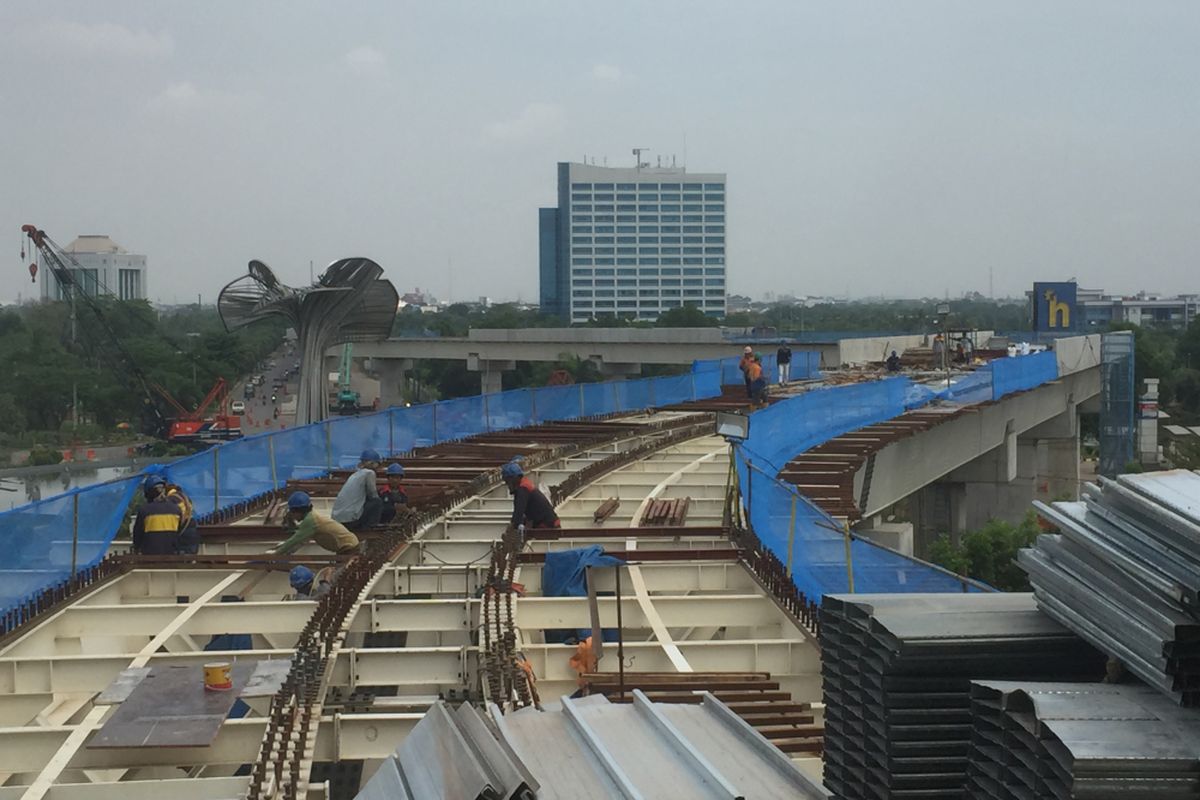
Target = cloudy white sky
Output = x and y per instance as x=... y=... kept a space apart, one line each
x=871 y=147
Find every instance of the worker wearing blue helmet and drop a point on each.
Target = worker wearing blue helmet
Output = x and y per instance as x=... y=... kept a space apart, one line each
x=358 y=505
x=393 y=495
x=308 y=524
x=158 y=521
x=307 y=585
x=531 y=508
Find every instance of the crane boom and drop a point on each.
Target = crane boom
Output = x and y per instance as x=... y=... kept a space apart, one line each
x=54 y=257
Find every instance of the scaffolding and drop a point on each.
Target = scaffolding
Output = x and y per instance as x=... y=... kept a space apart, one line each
x=1117 y=402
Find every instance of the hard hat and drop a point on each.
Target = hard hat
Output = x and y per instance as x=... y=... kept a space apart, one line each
x=511 y=470
x=369 y=455
x=518 y=459
x=299 y=501
x=300 y=576
x=748 y=350
x=758 y=356
x=395 y=469
x=151 y=483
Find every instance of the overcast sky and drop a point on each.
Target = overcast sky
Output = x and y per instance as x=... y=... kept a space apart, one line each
x=872 y=148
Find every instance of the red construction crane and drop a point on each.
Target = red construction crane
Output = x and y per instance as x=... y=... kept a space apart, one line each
x=197 y=425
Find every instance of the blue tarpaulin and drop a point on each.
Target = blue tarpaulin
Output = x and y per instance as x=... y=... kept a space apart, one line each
x=565 y=575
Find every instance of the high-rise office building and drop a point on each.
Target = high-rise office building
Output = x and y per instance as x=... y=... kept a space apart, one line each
x=632 y=242
x=104 y=269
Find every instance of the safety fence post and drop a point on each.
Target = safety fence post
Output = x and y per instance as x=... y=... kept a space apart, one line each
x=791 y=536
x=616 y=398
x=694 y=387
x=271 y=454
x=391 y=432
x=74 y=534
x=435 y=431
x=849 y=558
x=652 y=382
x=216 y=478
x=533 y=406
x=328 y=447
x=581 y=406
x=487 y=417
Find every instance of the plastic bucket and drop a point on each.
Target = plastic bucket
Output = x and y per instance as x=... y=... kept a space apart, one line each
x=217 y=677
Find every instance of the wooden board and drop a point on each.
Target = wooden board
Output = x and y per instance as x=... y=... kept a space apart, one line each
x=171 y=708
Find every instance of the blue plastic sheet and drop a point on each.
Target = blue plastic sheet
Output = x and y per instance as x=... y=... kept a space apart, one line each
x=565 y=575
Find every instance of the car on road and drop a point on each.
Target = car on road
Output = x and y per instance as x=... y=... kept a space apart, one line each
x=238 y=407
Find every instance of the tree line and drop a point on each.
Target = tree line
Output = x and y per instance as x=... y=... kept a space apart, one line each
x=184 y=351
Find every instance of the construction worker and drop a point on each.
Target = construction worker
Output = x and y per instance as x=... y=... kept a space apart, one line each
x=308 y=524
x=893 y=362
x=530 y=507
x=744 y=366
x=783 y=358
x=393 y=495
x=189 y=532
x=306 y=584
x=159 y=520
x=358 y=505
x=758 y=381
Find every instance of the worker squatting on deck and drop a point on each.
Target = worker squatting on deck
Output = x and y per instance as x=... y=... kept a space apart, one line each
x=164 y=524
x=358 y=505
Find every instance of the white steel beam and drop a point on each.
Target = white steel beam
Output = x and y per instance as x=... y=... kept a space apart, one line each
x=361 y=736
x=158 y=789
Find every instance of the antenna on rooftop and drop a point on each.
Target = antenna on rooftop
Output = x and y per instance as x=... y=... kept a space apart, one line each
x=637 y=157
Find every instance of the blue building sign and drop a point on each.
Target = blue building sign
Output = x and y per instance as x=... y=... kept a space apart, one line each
x=1054 y=307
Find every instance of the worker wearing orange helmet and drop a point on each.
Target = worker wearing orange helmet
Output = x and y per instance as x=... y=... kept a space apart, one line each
x=744 y=366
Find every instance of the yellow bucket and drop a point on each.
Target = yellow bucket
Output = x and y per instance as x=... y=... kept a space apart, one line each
x=217 y=677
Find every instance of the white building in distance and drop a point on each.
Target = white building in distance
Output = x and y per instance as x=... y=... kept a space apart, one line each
x=105 y=269
x=633 y=242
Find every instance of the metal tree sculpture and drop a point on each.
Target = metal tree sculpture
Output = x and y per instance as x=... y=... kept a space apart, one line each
x=348 y=303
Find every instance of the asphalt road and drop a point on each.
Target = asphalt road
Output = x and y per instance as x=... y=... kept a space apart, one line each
x=259 y=416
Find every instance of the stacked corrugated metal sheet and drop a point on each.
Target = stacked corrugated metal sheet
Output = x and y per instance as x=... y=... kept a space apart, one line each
x=590 y=749
x=1080 y=740
x=1124 y=573
x=897 y=673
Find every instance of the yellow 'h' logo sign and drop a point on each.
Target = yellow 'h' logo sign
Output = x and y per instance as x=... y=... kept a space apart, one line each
x=1058 y=313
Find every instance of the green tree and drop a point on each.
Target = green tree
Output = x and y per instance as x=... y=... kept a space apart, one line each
x=990 y=553
x=686 y=316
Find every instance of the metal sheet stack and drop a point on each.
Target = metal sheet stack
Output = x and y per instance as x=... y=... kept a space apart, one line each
x=1125 y=575
x=897 y=673
x=1080 y=740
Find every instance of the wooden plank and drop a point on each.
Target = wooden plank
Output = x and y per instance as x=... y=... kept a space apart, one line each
x=171 y=708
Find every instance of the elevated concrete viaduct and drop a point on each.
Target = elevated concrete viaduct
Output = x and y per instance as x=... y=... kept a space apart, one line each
x=618 y=352
x=958 y=467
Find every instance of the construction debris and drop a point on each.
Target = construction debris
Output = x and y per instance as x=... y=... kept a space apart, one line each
x=1124 y=574
x=606 y=509
x=666 y=512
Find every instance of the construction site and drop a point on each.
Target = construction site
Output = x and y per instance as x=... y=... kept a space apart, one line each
x=724 y=611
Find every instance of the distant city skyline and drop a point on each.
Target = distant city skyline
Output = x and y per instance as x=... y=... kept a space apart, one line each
x=876 y=149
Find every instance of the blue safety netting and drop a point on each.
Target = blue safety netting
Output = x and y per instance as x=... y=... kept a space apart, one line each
x=806 y=364
x=781 y=431
x=36 y=539
x=557 y=402
x=41 y=540
x=814 y=545
x=1020 y=373
x=808 y=539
